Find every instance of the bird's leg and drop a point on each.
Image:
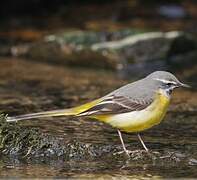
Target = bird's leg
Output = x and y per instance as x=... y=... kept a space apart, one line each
x=123 y=145
x=142 y=142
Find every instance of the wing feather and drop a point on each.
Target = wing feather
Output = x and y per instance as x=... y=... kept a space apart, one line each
x=115 y=105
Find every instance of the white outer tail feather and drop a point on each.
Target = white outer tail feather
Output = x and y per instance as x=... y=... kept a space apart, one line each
x=62 y=112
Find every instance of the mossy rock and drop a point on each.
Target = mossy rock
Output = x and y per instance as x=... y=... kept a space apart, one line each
x=18 y=140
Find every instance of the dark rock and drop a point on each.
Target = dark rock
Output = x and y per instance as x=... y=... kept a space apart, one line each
x=129 y=51
x=18 y=141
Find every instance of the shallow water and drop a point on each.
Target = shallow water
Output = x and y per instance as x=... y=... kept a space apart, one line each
x=45 y=87
x=95 y=169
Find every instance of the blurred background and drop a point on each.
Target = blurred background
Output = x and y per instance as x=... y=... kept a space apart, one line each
x=113 y=35
x=61 y=53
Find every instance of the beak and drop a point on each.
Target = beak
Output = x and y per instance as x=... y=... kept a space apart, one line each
x=184 y=85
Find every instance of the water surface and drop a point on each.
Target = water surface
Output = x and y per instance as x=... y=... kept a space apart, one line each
x=45 y=87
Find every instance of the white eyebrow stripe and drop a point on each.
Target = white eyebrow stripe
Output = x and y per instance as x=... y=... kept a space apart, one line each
x=165 y=81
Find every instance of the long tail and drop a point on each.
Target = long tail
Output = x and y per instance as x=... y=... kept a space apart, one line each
x=62 y=112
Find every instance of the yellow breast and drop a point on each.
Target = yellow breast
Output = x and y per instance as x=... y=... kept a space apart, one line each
x=136 y=121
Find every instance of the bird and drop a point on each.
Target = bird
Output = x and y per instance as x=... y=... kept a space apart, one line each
x=132 y=108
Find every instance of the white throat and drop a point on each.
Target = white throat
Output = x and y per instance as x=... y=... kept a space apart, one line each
x=166 y=92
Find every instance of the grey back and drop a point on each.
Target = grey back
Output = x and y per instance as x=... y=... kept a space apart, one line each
x=145 y=88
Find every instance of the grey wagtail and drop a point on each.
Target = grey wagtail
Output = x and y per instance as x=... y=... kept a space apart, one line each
x=134 y=107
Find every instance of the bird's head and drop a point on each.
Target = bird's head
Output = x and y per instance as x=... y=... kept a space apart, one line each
x=165 y=81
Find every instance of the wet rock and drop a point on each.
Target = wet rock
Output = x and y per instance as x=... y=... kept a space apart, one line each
x=149 y=52
x=193 y=162
x=72 y=48
x=19 y=141
x=83 y=39
x=65 y=54
x=16 y=140
x=132 y=51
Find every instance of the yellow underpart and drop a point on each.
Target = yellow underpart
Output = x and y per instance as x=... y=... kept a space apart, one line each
x=137 y=121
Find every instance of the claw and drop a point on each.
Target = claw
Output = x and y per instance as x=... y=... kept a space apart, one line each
x=127 y=152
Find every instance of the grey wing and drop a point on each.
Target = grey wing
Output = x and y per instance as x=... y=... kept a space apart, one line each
x=115 y=105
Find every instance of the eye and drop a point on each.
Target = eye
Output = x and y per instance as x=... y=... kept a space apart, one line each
x=169 y=84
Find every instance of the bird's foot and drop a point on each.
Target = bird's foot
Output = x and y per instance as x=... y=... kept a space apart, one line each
x=127 y=152
x=134 y=153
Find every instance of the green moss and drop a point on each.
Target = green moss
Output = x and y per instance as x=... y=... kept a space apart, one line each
x=15 y=139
